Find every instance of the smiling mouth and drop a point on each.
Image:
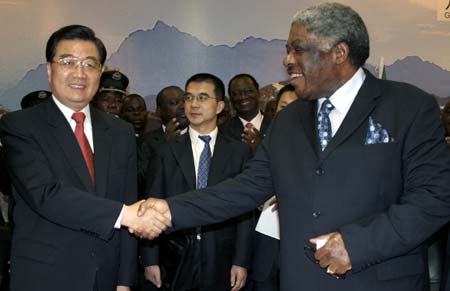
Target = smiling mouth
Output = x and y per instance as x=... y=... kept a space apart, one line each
x=295 y=76
x=77 y=86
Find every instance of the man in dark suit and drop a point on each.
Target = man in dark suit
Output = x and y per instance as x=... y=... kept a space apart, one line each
x=212 y=256
x=71 y=204
x=169 y=106
x=364 y=174
x=249 y=125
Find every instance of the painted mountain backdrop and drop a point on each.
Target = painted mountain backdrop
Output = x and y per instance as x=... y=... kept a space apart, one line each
x=164 y=56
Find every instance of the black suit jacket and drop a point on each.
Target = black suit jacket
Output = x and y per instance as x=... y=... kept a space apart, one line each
x=233 y=128
x=64 y=237
x=223 y=244
x=147 y=145
x=385 y=199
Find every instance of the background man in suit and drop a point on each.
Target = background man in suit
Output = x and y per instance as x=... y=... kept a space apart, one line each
x=249 y=125
x=169 y=106
x=68 y=201
x=365 y=167
x=215 y=255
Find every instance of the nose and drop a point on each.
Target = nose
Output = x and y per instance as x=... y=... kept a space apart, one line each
x=288 y=61
x=79 y=71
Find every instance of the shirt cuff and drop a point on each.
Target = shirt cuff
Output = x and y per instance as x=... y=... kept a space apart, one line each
x=117 y=225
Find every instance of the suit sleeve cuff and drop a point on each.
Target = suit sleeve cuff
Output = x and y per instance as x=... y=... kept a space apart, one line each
x=117 y=225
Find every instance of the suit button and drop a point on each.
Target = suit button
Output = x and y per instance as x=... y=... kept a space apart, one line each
x=319 y=171
x=316 y=214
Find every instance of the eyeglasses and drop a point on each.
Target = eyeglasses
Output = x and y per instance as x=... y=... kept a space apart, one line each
x=202 y=97
x=70 y=63
x=309 y=253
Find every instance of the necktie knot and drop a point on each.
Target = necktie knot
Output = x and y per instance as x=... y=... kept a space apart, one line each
x=326 y=107
x=249 y=125
x=79 y=117
x=205 y=138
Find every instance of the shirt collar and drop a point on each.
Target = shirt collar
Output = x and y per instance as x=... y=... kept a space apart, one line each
x=193 y=134
x=256 y=121
x=67 y=112
x=343 y=98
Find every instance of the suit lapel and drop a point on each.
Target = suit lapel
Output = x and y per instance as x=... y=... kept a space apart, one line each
x=219 y=160
x=182 y=150
x=307 y=114
x=64 y=136
x=362 y=106
x=101 y=150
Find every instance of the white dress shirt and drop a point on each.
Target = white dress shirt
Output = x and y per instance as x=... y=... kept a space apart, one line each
x=343 y=98
x=197 y=146
x=256 y=121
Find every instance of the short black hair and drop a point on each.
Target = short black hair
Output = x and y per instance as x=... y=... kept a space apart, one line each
x=72 y=32
x=242 y=76
x=160 y=94
x=219 y=87
x=287 y=88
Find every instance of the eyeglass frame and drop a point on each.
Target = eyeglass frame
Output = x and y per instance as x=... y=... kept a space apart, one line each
x=309 y=252
x=202 y=97
x=78 y=62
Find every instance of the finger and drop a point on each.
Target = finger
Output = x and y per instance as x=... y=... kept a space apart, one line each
x=233 y=279
x=273 y=201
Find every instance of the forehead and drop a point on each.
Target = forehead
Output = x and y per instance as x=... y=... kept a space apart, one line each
x=201 y=87
x=288 y=95
x=134 y=101
x=172 y=93
x=298 y=34
x=243 y=81
x=109 y=95
x=78 y=48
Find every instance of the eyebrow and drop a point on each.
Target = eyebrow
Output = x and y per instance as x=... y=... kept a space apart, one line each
x=70 y=55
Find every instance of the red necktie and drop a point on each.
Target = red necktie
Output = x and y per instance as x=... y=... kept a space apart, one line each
x=84 y=144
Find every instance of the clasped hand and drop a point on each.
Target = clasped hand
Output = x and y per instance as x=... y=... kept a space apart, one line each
x=147 y=218
x=333 y=255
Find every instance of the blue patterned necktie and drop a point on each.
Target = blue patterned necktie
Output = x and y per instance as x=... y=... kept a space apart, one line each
x=203 y=165
x=324 y=124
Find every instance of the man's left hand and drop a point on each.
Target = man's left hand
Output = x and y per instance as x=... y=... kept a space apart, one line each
x=123 y=288
x=238 y=277
x=333 y=254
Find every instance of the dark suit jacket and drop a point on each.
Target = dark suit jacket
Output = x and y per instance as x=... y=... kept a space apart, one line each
x=223 y=244
x=233 y=128
x=385 y=199
x=147 y=145
x=64 y=237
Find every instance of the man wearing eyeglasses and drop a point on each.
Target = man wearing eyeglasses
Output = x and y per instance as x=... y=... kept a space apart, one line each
x=214 y=257
x=73 y=169
x=360 y=167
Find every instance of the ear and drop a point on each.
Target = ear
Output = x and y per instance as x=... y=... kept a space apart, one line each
x=49 y=71
x=220 y=106
x=341 y=52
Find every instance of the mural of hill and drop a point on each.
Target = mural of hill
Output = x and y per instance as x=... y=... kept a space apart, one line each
x=426 y=75
x=163 y=56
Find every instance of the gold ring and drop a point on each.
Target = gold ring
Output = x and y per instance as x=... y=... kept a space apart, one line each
x=329 y=270
x=252 y=141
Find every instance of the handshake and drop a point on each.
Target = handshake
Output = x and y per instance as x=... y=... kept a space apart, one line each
x=147 y=218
